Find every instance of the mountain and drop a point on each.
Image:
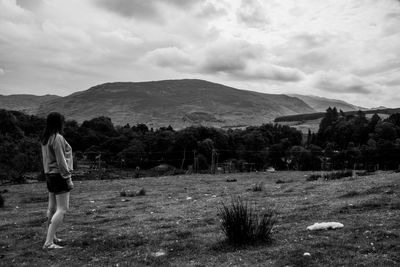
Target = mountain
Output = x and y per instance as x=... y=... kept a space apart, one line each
x=379 y=108
x=178 y=103
x=321 y=104
x=25 y=103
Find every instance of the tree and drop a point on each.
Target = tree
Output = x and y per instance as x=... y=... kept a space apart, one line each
x=186 y=140
x=100 y=124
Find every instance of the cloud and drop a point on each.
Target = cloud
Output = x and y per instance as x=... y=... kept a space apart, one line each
x=335 y=82
x=229 y=55
x=150 y=10
x=132 y=8
x=272 y=72
x=182 y=4
x=243 y=60
x=2 y=72
x=29 y=4
x=252 y=14
x=210 y=10
x=169 y=57
x=309 y=41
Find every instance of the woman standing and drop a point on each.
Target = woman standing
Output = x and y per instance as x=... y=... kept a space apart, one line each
x=58 y=165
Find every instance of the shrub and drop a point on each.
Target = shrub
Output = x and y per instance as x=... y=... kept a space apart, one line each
x=313 y=177
x=1 y=201
x=141 y=192
x=242 y=224
x=338 y=175
x=129 y=193
x=258 y=187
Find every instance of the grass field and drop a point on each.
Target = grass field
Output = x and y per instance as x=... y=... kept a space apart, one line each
x=176 y=223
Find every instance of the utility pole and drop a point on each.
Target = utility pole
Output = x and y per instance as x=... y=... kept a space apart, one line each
x=213 y=154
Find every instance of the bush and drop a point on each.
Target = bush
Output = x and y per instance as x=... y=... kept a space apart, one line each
x=1 y=201
x=313 y=177
x=338 y=175
x=129 y=193
x=258 y=187
x=141 y=192
x=242 y=224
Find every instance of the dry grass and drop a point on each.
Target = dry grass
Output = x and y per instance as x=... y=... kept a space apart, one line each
x=175 y=223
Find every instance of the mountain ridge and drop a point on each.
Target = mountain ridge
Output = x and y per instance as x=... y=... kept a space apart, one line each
x=179 y=103
x=320 y=104
x=25 y=102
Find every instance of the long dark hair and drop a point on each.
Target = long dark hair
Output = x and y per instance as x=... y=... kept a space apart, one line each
x=54 y=124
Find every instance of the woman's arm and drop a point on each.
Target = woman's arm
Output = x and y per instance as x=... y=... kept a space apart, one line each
x=59 y=151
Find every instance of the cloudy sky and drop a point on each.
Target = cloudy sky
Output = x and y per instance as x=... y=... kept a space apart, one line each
x=344 y=49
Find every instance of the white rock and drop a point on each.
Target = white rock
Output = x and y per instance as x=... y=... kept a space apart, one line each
x=159 y=253
x=307 y=254
x=324 y=226
x=188 y=198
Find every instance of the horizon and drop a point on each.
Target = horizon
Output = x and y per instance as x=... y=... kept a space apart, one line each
x=344 y=50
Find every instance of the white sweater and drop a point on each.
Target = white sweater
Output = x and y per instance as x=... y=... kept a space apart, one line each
x=57 y=156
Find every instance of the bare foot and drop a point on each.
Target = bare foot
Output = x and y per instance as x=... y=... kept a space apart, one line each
x=51 y=246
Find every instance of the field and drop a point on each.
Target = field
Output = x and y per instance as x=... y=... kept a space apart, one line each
x=176 y=222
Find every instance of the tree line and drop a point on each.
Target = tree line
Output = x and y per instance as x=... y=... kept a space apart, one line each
x=341 y=142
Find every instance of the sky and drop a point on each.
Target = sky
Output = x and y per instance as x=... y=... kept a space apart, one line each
x=342 y=49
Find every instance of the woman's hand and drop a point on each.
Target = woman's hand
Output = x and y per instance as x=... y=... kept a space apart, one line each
x=70 y=184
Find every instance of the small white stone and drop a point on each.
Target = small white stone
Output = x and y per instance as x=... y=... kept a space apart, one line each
x=307 y=254
x=159 y=253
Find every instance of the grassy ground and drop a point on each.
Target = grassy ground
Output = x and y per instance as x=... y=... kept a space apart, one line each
x=176 y=222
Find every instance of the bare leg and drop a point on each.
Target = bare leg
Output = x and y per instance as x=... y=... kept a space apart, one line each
x=62 y=204
x=50 y=212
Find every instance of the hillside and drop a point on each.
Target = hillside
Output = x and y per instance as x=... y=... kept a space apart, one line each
x=179 y=103
x=320 y=104
x=25 y=102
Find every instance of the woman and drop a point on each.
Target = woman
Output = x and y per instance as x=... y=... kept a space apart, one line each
x=57 y=164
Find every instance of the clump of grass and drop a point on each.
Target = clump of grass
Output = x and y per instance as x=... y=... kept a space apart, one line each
x=338 y=175
x=258 y=187
x=142 y=192
x=243 y=224
x=129 y=193
x=280 y=181
x=314 y=177
x=1 y=201
x=122 y=193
